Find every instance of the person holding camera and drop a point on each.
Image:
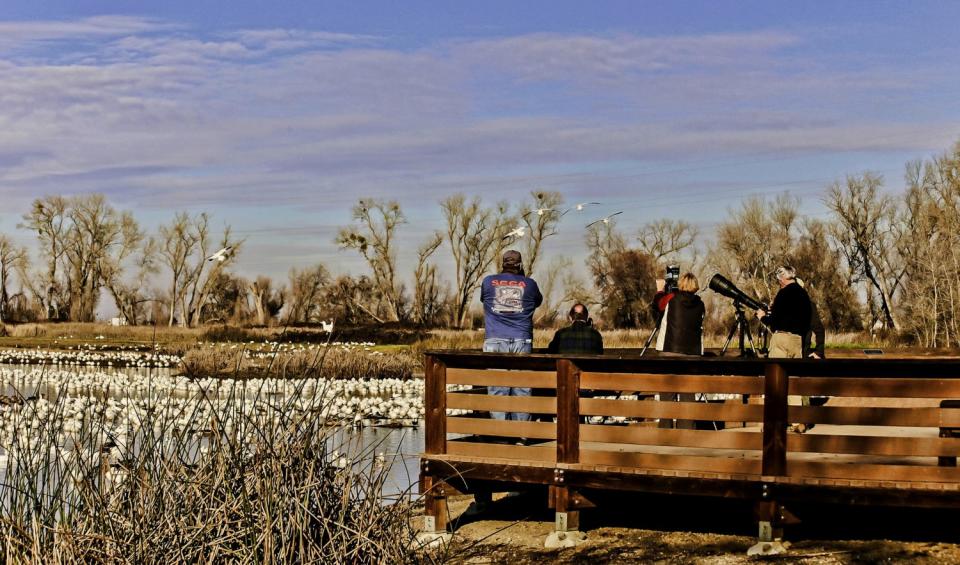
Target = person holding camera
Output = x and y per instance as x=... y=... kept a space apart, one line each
x=680 y=332
x=789 y=316
x=680 y=313
x=579 y=337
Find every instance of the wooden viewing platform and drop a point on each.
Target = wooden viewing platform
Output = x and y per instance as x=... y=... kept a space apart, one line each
x=884 y=438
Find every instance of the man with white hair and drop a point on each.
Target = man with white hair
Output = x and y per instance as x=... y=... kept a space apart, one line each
x=789 y=316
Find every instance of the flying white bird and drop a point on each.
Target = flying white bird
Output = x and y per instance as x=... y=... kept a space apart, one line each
x=605 y=220
x=539 y=211
x=518 y=232
x=579 y=207
x=221 y=255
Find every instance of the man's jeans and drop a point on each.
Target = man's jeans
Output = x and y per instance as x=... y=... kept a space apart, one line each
x=507 y=345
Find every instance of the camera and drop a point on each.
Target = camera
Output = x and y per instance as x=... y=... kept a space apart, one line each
x=671 y=278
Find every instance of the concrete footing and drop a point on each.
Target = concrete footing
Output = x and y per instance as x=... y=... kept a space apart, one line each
x=432 y=540
x=557 y=540
x=775 y=547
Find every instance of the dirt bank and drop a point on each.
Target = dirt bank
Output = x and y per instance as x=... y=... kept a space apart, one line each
x=645 y=529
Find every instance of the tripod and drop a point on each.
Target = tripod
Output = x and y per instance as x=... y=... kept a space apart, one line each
x=741 y=326
x=653 y=334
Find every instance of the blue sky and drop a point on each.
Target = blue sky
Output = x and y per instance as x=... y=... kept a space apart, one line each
x=276 y=116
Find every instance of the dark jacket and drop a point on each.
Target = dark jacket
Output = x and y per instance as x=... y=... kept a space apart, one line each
x=817 y=332
x=791 y=311
x=578 y=337
x=681 y=322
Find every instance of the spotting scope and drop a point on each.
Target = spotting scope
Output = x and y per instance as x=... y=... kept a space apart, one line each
x=721 y=285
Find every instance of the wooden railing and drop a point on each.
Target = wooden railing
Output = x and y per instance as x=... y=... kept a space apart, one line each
x=892 y=437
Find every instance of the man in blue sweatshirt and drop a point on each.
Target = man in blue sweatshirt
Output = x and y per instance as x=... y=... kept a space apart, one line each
x=509 y=299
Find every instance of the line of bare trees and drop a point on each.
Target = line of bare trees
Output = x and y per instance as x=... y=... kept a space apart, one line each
x=882 y=259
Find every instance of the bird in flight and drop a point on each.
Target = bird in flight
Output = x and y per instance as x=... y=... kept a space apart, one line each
x=518 y=232
x=605 y=220
x=539 y=211
x=221 y=255
x=579 y=207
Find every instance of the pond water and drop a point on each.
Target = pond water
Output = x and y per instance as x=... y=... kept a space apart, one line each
x=397 y=447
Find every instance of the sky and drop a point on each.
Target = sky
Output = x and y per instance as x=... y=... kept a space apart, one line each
x=275 y=117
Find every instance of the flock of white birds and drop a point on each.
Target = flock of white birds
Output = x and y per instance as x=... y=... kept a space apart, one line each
x=120 y=391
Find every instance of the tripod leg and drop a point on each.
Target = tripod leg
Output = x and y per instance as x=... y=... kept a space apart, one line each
x=746 y=330
x=733 y=331
x=656 y=329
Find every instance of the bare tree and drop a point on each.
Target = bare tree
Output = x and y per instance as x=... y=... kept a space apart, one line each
x=267 y=301
x=666 y=239
x=304 y=300
x=48 y=219
x=11 y=256
x=131 y=250
x=427 y=294
x=208 y=275
x=756 y=239
x=373 y=238
x=476 y=238
x=541 y=218
x=186 y=249
x=868 y=232
x=549 y=312
x=603 y=242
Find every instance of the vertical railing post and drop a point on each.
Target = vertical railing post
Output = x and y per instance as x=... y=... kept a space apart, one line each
x=774 y=462
x=568 y=449
x=435 y=406
x=435 y=443
x=774 y=420
x=568 y=412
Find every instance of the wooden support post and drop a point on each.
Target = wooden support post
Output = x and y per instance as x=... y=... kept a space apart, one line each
x=774 y=461
x=568 y=444
x=774 y=420
x=568 y=412
x=435 y=406
x=436 y=516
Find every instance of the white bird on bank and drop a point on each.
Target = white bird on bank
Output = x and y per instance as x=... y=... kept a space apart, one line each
x=221 y=255
x=326 y=326
x=605 y=220
x=518 y=232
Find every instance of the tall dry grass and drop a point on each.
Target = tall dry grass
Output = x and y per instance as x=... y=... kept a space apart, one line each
x=338 y=363
x=262 y=481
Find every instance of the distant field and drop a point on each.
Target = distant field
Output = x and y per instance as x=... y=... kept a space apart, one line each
x=387 y=339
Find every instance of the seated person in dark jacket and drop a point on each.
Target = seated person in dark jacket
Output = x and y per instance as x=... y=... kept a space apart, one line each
x=579 y=337
x=681 y=332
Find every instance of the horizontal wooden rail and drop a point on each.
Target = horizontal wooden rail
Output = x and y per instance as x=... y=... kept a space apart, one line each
x=872 y=472
x=727 y=412
x=499 y=451
x=671 y=383
x=875 y=416
x=874 y=445
x=480 y=377
x=706 y=464
x=634 y=435
x=529 y=404
x=502 y=428
x=876 y=387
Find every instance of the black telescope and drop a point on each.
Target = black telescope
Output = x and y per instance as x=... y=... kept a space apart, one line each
x=721 y=285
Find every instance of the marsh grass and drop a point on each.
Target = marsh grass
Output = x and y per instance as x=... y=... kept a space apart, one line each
x=338 y=363
x=262 y=480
